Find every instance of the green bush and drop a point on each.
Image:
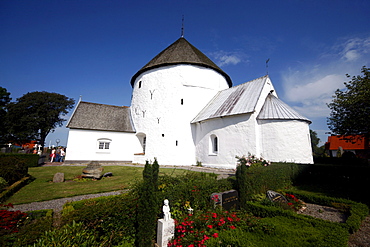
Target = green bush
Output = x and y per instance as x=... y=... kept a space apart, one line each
x=10 y=190
x=112 y=218
x=190 y=190
x=357 y=211
x=3 y=183
x=273 y=177
x=12 y=168
x=75 y=234
x=31 y=227
x=30 y=160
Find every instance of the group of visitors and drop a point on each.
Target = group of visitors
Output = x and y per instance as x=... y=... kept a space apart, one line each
x=57 y=155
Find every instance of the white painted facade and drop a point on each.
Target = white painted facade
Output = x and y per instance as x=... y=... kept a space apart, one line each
x=182 y=113
x=164 y=102
x=83 y=145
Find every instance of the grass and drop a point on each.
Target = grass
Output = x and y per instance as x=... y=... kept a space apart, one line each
x=43 y=188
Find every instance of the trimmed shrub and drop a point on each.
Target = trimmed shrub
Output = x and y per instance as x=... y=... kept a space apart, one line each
x=12 y=168
x=273 y=177
x=75 y=234
x=3 y=183
x=30 y=160
x=357 y=211
x=14 y=188
x=112 y=218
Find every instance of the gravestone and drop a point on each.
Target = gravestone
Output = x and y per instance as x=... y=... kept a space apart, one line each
x=276 y=197
x=166 y=226
x=92 y=170
x=58 y=177
x=228 y=199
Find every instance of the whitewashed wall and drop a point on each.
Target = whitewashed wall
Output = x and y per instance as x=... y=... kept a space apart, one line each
x=163 y=107
x=286 y=141
x=83 y=145
x=236 y=137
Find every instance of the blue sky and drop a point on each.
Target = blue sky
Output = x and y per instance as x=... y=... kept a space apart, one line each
x=93 y=48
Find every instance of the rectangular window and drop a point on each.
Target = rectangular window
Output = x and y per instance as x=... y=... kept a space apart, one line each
x=103 y=145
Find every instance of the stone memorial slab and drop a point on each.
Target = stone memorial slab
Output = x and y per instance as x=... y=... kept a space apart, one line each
x=228 y=200
x=92 y=170
x=58 y=177
x=276 y=197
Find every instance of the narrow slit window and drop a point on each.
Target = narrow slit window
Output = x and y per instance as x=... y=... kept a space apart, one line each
x=182 y=101
x=139 y=84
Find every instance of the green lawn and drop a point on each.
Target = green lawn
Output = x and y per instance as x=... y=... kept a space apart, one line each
x=43 y=189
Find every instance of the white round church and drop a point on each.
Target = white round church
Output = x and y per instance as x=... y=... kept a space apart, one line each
x=185 y=111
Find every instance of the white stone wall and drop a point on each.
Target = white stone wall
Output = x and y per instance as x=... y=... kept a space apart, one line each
x=286 y=141
x=236 y=137
x=83 y=145
x=164 y=102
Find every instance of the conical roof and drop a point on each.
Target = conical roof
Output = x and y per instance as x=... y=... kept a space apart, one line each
x=181 y=52
x=275 y=109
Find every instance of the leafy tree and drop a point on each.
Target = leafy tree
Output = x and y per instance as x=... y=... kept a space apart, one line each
x=350 y=108
x=317 y=151
x=34 y=115
x=4 y=101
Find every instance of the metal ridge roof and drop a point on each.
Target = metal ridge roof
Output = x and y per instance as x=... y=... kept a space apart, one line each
x=181 y=52
x=233 y=101
x=275 y=109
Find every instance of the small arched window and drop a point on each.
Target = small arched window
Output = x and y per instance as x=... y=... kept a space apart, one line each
x=139 y=84
x=213 y=147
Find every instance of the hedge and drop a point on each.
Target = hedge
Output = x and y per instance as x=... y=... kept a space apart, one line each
x=273 y=177
x=14 y=188
x=358 y=211
x=30 y=160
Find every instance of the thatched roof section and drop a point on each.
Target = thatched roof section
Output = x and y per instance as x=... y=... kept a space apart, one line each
x=94 y=116
x=181 y=52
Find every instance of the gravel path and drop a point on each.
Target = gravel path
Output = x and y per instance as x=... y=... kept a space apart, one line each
x=57 y=204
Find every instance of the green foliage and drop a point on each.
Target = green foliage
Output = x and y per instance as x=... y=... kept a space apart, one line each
x=34 y=115
x=112 y=218
x=30 y=160
x=35 y=225
x=274 y=177
x=350 y=109
x=193 y=189
x=148 y=205
x=4 y=101
x=12 y=168
x=3 y=183
x=74 y=234
x=241 y=184
x=357 y=211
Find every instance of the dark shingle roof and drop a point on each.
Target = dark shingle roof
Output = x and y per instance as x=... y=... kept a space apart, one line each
x=181 y=52
x=94 y=116
x=275 y=109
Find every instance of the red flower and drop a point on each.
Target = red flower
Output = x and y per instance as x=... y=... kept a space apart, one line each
x=215 y=235
x=232 y=227
x=210 y=226
x=214 y=215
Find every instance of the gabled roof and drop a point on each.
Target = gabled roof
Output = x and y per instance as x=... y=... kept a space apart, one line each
x=94 y=116
x=232 y=101
x=180 y=52
x=275 y=109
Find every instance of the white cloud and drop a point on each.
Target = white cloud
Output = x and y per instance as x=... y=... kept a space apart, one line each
x=353 y=49
x=310 y=87
x=223 y=58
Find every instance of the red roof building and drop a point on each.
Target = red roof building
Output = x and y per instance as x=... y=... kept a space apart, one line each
x=357 y=144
